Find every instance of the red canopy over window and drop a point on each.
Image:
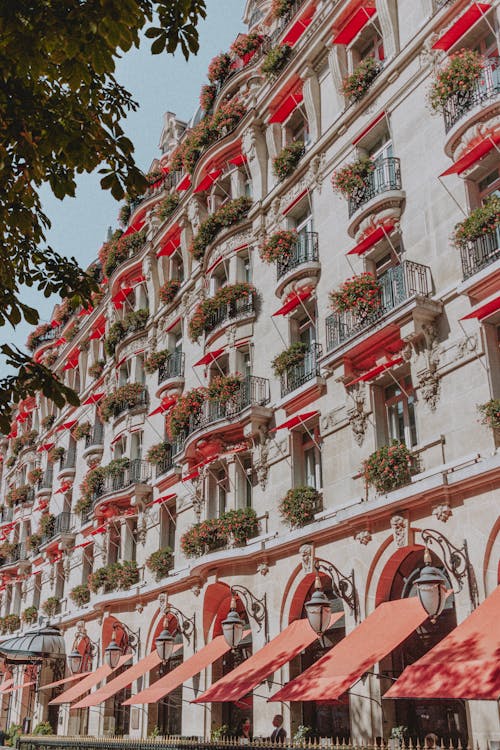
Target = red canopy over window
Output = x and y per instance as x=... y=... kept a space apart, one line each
x=299 y=26
x=354 y=25
x=209 y=357
x=285 y=102
x=72 y=360
x=164 y=406
x=485 y=308
x=462 y=25
x=371 y=374
x=137 y=224
x=238 y=160
x=171 y=242
x=93 y=399
x=67 y=425
x=185 y=183
x=164 y=498
x=473 y=155
x=120 y=297
x=296 y=420
x=293 y=301
x=208 y=180
x=371 y=239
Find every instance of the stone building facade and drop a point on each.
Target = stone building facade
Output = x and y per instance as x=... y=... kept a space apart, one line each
x=413 y=367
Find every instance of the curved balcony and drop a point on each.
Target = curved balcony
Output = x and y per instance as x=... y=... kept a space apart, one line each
x=62 y=526
x=18 y=555
x=303 y=261
x=137 y=402
x=382 y=189
x=168 y=463
x=466 y=106
x=171 y=372
x=163 y=185
x=231 y=311
x=398 y=284
x=124 y=481
x=94 y=442
x=480 y=253
x=297 y=375
x=67 y=465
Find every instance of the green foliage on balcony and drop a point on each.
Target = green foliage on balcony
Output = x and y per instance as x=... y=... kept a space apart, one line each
x=214 y=533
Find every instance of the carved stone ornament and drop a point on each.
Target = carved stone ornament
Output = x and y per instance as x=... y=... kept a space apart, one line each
x=399 y=526
x=261 y=466
x=442 y=512
x=139 y=608
x=363 y=537
x=142 y=529
x=196 y=588
x=307 y=558
x=162 y=602
x=358 y=419
x=248 y=143
x=263 y=568
x=316 y=172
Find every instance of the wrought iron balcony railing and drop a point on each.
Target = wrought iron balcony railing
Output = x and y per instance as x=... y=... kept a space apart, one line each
x=50 y=335
x=62 y=525
x=168 y=463
x=305 y=250
x=386 y=176
x=230 y=311
x=96 y=437
x=487 y=87
x=398 y=284
x=45 y=482
x=253 y=391
x=300 y=373
x=132 y=403
x=18 y=553
x=68 y=461
x=173 y=367
x=6 y=514
x=480 y=253
x=137 y=472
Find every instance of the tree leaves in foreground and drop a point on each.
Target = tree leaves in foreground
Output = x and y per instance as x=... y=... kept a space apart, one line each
x=61 y=109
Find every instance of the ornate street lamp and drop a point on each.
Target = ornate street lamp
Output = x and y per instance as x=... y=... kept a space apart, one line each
x=318 y=608
x=165 y=641
x=83 y=650
x=431 y=589
x=233 y=625
x=113 y=651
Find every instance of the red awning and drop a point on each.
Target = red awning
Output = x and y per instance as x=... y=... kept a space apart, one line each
x=345 y=663
x=185 y=183
x=473 y=155
x=354 y=25
x=371 y=239
x=293 y=301
x=296 y=420
x=72 y=678
x=6 y=684
x=287 y=106
x=485 y=308
x=297 y=29
x=200 y=660
x=72 y=360
x=45 y=447
x=245 y=677
x=461 y=25
x=60 y=341
x=120 y=297
x=137 y=224
x=208 y=180
x=171 y=242
x=88 y=682
x=140 y=668
x=371 y=374
x=93 y=399
x=464 y=665
x=67 y=425
x=98 y=530
x=164 y=498
x=209 y=357
x=164 y=406
x=98 y=331
x=20 y=687
x=86 y=311
x=238 y=160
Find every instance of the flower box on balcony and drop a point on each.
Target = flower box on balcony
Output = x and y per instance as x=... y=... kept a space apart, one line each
x=126 y=397
x=18 y=495
x=459 y=77
x=275 y=60
x=280 y=8
x=207 y=536
x=81 y=431
x=359 y=294
x=353 y=176
x=286 y=162
x=219 y=68
x=299 y=506
x=185 y=408
x=114 y=577
x=30 y=615
x=33 y=542
x=160 y=562
x=207 y=96
x=169 y=290
x=219 y=307
x=480 y=222
x=356 y=85
x=48 y=421
x=46 y=525
x=389 y=467
x=10 y=623
x=50 y=606
x=279 y=246
x=95 y=370
x=290 y=357
x=158 y=453
x=119 y=249
x=490 y=413
x=224 y=388
x=35 y=475
x=167 y=206
x=90 y=485
x=134 y=321
x=80 y=595
x=246 y=44
x=228 y=214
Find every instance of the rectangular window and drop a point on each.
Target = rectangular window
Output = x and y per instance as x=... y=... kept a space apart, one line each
x=311 y=461
x=400 y=412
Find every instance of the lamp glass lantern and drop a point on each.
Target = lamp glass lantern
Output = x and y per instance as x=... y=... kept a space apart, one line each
x=164 y=644
x=232 y=626
x=431 y=589
x=75 y=659
x=318 y=609
x=112 y=653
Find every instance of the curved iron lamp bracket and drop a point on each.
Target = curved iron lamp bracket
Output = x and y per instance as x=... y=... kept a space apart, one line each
x=456 y=561
x=256 y=608
x=342 y=586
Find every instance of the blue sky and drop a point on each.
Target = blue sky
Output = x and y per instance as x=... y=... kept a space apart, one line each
x=158 y=83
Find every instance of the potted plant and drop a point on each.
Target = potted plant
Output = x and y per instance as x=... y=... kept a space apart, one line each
x=17 y=495
x=226 y=295
x=160 y=562
x=285 y=163
x=33 y=542
x=279 y=246
x=245 y=45
x=30 y=615
x=490 y=413
x=35 y=475
x=207 y=96
x=44 y=728
x=355 y=86
x=186 y=406
x=115 y=334
x=224 y=388
x=91 y=484
x=361 y=295
x=167 y=206
x=83 y=505
x=117 y=466
x=275 y=60
x=48 y=421
x=81 y=431
x=459 y=77
x=155 y=360
x=12 y=622
x=130 y=393
x=96 y=369
x=230 y=213
x=480 y=222
x=240 y=525
x=50 y=606
x=294 y=355
x=7 y=549
x=280 y=8
x=219 y=68
x=55 y=454
x=158 y=453
x=169 y=290
x=229 y=115
x=47 y=524
x=388 y=467
x=299 y=505
x=353 y=176
x=80 y=595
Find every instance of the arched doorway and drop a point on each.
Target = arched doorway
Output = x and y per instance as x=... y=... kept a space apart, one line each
x=324 y=718
x=417 y=719
x=165 y=716
x=229 y=716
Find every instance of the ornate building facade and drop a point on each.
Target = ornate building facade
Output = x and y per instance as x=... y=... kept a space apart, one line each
x=294 y=360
